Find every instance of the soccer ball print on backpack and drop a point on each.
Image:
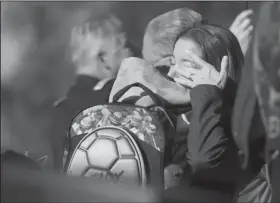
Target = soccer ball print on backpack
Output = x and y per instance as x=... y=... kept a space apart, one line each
x=119 y=142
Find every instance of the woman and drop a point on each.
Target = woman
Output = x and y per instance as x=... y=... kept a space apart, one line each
x=207 y=62
x=204 y=72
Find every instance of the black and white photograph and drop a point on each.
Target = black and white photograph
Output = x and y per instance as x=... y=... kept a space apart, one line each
x=140 y=101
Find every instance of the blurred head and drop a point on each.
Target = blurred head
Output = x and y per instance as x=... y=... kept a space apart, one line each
x=18 y=40
x=98 y=46
x=162 y=32
x=211 y=43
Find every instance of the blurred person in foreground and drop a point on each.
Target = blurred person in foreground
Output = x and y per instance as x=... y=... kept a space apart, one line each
x=98 y=46
x=256 y=118
x=23 y=180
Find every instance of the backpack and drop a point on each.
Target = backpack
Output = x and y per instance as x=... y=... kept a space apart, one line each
x=120 y=142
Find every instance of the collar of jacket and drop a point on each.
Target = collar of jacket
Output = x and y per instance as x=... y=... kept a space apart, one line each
x=187 y=117
x=100 y=85
x=85 y=81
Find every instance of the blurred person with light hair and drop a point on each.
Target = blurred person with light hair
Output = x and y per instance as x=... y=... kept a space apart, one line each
x=97 y=48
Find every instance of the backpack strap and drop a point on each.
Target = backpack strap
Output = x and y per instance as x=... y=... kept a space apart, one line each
x=159 y=101
x=153 y=96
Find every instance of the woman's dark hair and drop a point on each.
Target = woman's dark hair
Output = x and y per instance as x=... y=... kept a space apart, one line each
x=217 y=42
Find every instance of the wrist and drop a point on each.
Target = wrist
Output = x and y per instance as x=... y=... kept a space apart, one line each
x=204 y=93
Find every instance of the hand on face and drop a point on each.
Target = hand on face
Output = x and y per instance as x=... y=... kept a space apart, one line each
x=199 y=72
x=242 y=28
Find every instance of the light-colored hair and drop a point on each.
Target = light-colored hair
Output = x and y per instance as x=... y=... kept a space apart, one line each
x=86 y=37
x=162 y=32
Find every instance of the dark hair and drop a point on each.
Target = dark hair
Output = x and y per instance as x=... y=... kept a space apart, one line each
x=217 y=42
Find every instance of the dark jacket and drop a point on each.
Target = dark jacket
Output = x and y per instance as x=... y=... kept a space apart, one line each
x=81 y=96
x=208 y=149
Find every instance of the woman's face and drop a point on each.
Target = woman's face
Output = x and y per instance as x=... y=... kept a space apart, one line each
x=181 y=58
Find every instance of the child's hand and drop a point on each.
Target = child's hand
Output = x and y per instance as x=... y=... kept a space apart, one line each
x=204 y=73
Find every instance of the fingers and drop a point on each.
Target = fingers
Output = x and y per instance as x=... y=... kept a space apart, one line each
x=198 y=62
x=224 y=71
x=185 y=82
x=247 y=32
x=245 y=24
x=224 y=65
x=242 y=16
x=188 y=72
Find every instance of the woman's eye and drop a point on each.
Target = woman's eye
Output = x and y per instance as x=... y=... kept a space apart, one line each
x=185 y=61
x=189 y=64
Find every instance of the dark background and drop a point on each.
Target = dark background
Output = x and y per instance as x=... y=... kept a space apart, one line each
x=42 y=73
